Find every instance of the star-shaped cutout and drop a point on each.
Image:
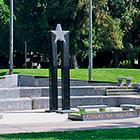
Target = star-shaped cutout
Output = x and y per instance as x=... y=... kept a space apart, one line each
x=59 y=33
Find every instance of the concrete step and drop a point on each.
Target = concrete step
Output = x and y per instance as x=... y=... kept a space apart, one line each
x=87 y=90
x=6 y=93
x=44 y=81
x=9 y=93
x=17 y=80
x=120 y=87
x=15 y=104
x=122 y=91
x=43 y=102
x=18 y=92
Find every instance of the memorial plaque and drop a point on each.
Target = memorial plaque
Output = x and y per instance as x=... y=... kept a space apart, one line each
x=110 y=115
x=104 y=115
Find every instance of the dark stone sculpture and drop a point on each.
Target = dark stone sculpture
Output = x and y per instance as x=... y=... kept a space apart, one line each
x=60 y=35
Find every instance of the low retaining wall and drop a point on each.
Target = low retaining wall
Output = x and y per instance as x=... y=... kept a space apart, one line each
x=105 y=115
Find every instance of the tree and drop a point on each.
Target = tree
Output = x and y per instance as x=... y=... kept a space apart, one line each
x=4 y=13
x=34 y=20
x=115 y=26
x=129 y=24
x=108 y=32
x=4 y=24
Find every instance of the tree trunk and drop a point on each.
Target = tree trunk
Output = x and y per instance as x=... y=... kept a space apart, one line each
x=115 y=63
x=74 y=63
x=139 y=60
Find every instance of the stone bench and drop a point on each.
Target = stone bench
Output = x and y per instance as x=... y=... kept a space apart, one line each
x=100 y=107
x=127 y=81
x=130 y=106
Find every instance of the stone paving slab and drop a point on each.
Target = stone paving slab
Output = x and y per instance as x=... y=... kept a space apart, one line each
x=44 y=122
x=7 y=129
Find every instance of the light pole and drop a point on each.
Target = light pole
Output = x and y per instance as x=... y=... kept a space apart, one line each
x=90 y=41
x=25 y=54
x=11 y=38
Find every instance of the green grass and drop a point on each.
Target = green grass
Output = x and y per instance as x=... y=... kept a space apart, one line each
x=79 y=113
x=83 y=111
x=104 y=74
x=130 y=133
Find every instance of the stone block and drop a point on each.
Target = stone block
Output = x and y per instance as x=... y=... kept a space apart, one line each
x=81 y=91
x=9 y=81
x=41 y=81
x=2 y=81
x=25 y=80
x=16 y=80
x=30 y=92
x=9 y=93
x=129 y=100
x=43 y=102
x=100 y=91
x=85 y=100
x=77 y=91
x=18 y=92
x=75 y=82
x=45 y=92
x=40 y=103
x=15 y=104
x=111 y=101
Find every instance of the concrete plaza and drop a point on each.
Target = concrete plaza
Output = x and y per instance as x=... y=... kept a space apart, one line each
x=39 y=121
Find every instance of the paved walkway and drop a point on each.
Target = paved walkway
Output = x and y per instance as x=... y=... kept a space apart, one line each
x=26 y=122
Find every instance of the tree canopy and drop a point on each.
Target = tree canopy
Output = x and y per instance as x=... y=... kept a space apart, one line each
x=116 y=27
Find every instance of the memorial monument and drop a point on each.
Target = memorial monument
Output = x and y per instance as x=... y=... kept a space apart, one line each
x=59 y=35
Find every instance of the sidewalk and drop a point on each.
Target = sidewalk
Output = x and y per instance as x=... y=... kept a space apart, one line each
x=26 y=122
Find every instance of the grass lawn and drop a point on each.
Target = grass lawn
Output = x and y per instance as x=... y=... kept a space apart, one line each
x=102 y=74
x=131 y=133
